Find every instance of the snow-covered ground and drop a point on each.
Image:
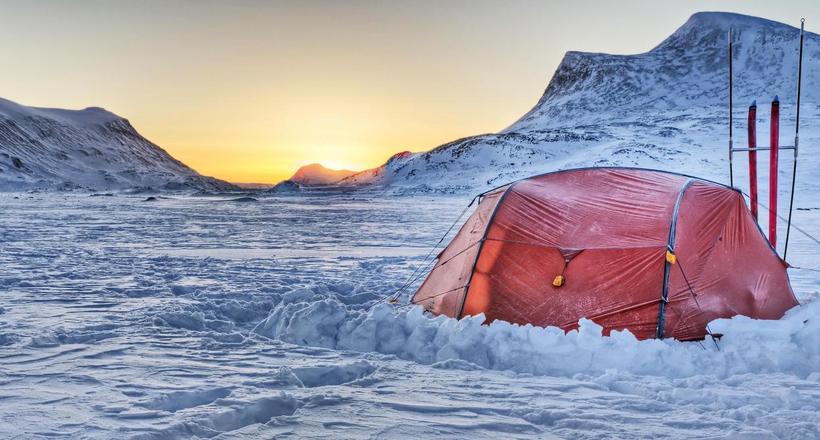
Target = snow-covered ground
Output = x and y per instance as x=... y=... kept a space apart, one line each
x=217 y=318
x=237 y=317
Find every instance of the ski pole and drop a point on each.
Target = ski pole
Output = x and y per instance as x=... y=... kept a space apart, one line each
x=774 y=138
x=796 y=137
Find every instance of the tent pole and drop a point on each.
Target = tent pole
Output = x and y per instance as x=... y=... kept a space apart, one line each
x=731 y=173
x=796 y=136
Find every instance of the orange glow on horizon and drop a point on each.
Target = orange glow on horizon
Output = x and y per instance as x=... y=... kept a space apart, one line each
x=251 y=91
x=240 y=169
x=268 y=165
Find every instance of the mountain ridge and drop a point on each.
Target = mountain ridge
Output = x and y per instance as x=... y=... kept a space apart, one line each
x=91 y=148
x=664 y=108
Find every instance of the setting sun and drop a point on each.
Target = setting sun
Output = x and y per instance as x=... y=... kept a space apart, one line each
x=248 y=92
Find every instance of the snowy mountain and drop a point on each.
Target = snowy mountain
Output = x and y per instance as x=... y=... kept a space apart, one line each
x=665 y=108
x=317 y=174
x=90 y=148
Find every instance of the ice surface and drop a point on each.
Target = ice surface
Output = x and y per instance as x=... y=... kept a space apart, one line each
x=124 y=319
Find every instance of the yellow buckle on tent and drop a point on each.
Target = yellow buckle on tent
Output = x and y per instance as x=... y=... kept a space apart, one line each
x=671 y=258
x=558 y=281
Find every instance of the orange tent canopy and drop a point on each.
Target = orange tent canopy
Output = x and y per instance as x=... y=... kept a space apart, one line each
x=657 y=253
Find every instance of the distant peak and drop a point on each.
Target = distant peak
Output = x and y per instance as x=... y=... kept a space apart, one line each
x=726 y=19
x=96 y=110
x=704 y=28
x=318 y=166
x=86 y=116
x=318 y=174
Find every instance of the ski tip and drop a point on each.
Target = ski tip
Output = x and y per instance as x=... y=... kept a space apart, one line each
x=754 y=104
x=776 y=99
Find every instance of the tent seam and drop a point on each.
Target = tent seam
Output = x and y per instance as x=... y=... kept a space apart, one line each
x=481 y=246
x=723 y=185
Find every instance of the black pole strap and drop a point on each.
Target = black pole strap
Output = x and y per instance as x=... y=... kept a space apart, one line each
x=667 y=267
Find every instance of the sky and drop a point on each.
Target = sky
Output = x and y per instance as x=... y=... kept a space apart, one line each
x=248 y=91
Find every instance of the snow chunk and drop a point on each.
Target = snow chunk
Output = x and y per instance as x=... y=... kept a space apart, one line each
x=790 y=345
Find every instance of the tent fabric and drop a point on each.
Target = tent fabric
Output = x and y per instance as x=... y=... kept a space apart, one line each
x=607 y=232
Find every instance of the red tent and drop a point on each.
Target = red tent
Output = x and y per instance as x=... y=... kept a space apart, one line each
x=657 y=253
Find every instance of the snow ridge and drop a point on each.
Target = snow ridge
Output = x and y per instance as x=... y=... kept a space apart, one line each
x=688 y=70
x=748 y=345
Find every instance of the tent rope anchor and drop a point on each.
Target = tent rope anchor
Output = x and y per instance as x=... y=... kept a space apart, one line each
x=424 y=264
x=695 y=298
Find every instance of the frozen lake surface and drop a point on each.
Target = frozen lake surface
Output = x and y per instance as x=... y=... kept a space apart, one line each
x=202 y=317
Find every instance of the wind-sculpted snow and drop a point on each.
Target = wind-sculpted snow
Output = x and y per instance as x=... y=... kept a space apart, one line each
x=261 y=317
x=748 y=346
x=204 y=317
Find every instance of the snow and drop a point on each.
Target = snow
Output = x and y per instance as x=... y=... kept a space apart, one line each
x=747 y=345
x=45 y=148
x=89 y=116
x=198 y=316
x=263 y=315
x=664 y=109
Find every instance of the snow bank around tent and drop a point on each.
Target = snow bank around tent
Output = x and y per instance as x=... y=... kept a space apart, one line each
x=790 y=345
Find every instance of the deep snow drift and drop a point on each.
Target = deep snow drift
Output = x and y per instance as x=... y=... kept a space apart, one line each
x=204 y=317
